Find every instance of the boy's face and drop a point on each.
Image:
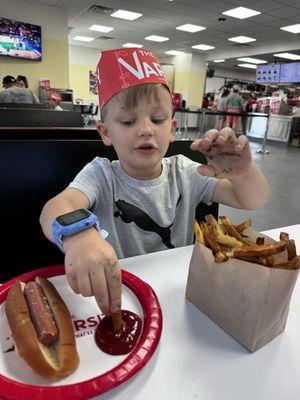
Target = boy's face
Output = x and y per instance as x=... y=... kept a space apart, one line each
x=140 y=135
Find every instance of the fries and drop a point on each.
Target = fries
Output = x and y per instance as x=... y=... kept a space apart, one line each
x=228 y=241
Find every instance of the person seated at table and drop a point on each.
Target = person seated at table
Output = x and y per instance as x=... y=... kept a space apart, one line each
x=146 y=202
x=15 y=94
x=54 y=101
x=22 y=81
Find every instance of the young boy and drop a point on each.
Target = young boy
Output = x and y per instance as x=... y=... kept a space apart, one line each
x=145 y=202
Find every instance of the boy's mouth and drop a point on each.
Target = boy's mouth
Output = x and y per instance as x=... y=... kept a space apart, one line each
x=146 y=147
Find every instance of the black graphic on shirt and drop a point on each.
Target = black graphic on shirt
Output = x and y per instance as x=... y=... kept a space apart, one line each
x=130 y=213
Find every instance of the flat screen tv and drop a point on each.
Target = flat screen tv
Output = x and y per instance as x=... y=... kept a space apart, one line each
x=20 y=40
x=267 y=73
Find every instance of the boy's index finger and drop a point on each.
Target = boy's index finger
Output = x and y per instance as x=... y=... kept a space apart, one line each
x=206 y=141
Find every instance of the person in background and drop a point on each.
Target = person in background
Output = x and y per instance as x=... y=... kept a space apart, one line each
x=206 y=101
x=145 y=202
x=15 y=94
x=54 y=101
x=249 y=106
x=234 y=105
x=22 y=81
x=222 y=106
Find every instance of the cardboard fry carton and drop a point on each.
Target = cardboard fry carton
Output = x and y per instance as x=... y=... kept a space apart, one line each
x=249 y=301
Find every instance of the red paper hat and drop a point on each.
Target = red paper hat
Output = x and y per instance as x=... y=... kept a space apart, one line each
x=122 y=68
x=54 y=96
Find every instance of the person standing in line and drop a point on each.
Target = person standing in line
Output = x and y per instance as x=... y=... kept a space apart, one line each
x=249 y=107
x=222 y=106
x=234 y=105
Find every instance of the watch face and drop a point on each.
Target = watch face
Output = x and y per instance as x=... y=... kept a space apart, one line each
x=74 y=216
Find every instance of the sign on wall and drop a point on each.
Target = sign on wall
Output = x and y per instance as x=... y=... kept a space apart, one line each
x=93 y=83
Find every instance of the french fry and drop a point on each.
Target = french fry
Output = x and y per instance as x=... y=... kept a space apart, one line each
x=228 y=241
x=257 y=250
x=291 y=247
x=209 y=239
x=232 y=231
x=220 y=257
x=244 y=225
x=198 y=232
x=117 y=321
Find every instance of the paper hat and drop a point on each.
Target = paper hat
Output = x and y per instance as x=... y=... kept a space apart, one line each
x=122 y=68
x=55 y=97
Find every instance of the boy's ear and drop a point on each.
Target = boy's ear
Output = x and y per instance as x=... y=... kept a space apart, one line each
x=173 y=128
x=101 y=128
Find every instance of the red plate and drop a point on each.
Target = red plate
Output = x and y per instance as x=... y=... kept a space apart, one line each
x=145 y=348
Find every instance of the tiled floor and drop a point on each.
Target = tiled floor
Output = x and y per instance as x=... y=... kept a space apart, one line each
x=282 y=170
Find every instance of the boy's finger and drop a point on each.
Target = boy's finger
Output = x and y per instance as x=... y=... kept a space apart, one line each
x=205 y=142
x=100 y=290
x=228 y=135
x=206 y=170
x=241 y=142
x=72 y=279
x=84 y=282
x=113 y=278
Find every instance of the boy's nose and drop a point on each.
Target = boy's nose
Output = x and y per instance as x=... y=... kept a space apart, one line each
x=145 y=128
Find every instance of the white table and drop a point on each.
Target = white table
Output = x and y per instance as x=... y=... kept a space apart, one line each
x=196 y=359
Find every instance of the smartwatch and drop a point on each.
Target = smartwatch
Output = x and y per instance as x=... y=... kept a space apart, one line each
x=74 y=222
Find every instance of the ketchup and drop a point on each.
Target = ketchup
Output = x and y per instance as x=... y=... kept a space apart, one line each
x=122 y=342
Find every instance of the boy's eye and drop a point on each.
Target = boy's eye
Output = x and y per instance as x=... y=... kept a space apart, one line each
x=128 y=122
x=158 y=121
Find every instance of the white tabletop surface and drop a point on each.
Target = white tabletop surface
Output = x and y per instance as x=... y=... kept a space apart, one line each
x=196 y=359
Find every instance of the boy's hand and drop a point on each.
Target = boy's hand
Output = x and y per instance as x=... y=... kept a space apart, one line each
x=227 y=156
x=92 y=269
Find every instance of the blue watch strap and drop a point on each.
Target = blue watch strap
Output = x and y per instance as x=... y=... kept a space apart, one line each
x=60 y=230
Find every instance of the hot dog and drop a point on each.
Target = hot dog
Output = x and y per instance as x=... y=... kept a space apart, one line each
x=42 y=328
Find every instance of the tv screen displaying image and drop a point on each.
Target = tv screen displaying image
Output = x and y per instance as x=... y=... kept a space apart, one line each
x=268 y=73
x=20 y=40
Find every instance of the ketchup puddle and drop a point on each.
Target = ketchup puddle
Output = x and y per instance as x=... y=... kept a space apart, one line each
x=122 y=342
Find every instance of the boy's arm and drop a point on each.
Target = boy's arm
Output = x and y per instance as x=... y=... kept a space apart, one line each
x=91 y=264
x=66 y=201
x=241 y=184
x=248 y=192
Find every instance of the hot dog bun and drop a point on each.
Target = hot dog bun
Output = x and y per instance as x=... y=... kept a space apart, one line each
x=54 y=361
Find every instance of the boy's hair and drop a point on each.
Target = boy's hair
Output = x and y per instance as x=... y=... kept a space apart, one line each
x=130 y=96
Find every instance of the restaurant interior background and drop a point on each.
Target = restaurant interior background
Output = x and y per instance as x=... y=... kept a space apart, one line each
x=68 y=66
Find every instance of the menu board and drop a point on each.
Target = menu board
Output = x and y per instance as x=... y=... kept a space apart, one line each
x=268 y=73
x=290 y=73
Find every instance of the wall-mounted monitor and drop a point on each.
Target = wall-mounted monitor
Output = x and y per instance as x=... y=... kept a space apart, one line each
x=20 y=40
x=290 y=73
x=267 y=73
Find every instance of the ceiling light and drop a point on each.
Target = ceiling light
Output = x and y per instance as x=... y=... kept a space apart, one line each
x=174 y=52
x=101 y=28
x=292 y=28
x=247 y=66
x=123 y=14
x=217 y=61
x=241 y=12
x=155 y=38
x=252 y=60
x=190 y=28
x=132 y=45
x=83 y=38
x=203 y=47
x=242 y=39
x=288 y=56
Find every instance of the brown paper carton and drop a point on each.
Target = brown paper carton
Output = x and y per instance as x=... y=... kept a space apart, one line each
x=249 y=301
